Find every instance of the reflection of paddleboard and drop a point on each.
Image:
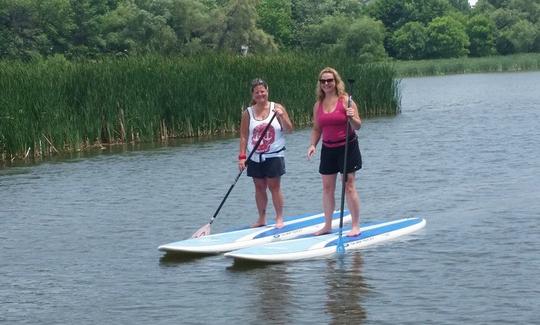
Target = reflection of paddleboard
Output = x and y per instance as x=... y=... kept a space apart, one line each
x=228 y=241
x=310 y=246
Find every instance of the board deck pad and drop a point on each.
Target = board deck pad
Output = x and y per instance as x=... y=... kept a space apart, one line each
x=311 y=246
x=294 y=226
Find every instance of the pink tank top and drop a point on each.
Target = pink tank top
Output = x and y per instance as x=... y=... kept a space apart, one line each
x=333 y=125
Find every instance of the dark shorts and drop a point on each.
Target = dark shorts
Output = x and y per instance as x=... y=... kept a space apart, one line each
x=332 y=159
x=271 y=167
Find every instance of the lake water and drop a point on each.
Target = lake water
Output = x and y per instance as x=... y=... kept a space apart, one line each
x=79 y=237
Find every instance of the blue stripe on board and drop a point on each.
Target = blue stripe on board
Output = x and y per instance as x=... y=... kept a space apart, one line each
x=377 y=231
x=298 y=225
x=345 y=228
x=285 y=219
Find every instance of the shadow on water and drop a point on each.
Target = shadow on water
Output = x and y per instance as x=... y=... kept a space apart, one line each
x=346 y=289
x=172 y=259
x=246 y=265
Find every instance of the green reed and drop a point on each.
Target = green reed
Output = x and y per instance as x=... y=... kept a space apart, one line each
x=509 y=63
x=55 y=106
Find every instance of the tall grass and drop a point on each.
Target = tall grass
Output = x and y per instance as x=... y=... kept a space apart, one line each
x=510 y=63
x=55 y=106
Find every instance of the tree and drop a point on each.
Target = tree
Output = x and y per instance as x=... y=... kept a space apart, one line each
x=396 y=13
x=194 y=23
x=306 y=13
x=522 y=35
x=460 y=5
x=324 y=37
x=447 y=38
x=529 y=10
x=275 y=18
x=130 y=29
x=19 y=33
x=56 y=21
x=481 y=32
x=361 y=38
x=86 y=37
x=409 y=41
x=364 y=40
x=241 y=29
x=392 y=13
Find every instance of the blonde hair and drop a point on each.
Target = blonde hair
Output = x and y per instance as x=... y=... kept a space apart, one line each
x=339 y=85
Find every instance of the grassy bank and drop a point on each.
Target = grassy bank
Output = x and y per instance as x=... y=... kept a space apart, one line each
x=56 y=106
x=510 y=63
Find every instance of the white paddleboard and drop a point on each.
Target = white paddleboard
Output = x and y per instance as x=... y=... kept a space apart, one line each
x=231 y=240
x=311 y=246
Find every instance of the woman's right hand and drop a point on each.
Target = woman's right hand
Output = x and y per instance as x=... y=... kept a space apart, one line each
x=311 y=151
x=241 y=164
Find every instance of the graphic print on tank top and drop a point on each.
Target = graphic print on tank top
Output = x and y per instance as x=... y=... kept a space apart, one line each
x=267 y=140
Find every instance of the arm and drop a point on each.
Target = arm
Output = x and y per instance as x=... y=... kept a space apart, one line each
x=315 y=133
x=283 y=118
x=244 y=133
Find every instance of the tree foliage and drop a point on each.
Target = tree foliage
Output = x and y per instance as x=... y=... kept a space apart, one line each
x=409 y=41
x=413 y=29
x=446 y=38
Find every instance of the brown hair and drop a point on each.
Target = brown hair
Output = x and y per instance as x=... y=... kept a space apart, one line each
x=339 y=85
x=257 y=82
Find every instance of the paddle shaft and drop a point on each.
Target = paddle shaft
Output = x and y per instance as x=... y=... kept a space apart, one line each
x=344 y=181
x=340 y=247
x=240 y=173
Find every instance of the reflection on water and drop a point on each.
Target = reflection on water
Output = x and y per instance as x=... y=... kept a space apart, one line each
x=272 y=290
x=346 y=289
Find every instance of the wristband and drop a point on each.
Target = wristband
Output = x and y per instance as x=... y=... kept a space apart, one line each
x=241 y=156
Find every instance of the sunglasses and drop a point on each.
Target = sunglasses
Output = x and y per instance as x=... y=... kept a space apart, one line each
x=325 y=81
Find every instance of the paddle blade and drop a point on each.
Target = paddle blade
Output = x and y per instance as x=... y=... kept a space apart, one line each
x=203 y=231
x=340 y=249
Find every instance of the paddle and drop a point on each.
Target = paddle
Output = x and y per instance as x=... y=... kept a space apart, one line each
x=340 y=247
x=205 y=230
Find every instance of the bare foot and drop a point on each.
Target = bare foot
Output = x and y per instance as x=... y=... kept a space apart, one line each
x=354 y=232
x=259 y=223
x=279 y=223
x=323 y=231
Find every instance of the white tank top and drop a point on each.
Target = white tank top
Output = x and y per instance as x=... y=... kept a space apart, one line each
x=273 y=142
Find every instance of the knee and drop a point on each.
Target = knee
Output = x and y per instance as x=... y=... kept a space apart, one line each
x=329 y=188
x=350 y=188
x=260 y=187
x=274 y=187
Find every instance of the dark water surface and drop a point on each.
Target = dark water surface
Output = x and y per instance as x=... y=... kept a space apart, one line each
x=79 y=237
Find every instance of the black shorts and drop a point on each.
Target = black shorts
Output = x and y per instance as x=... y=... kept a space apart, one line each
x=271 y=167
x=332 y=159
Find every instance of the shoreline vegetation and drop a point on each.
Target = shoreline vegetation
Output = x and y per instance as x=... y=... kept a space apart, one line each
x=54 y=107
x=508 y=63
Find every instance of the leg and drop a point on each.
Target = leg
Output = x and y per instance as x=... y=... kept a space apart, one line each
x=353 y=203
x=261 y=198
x=329 y=202
x=274 y=184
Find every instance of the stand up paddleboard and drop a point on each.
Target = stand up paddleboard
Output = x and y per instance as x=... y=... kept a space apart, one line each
x=311 y=246
x=228 y=241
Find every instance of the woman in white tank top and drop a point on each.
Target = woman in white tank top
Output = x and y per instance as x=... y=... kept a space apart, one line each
x=267 y=163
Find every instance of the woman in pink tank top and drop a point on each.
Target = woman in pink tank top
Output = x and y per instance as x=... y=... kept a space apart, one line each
x=330 y=115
